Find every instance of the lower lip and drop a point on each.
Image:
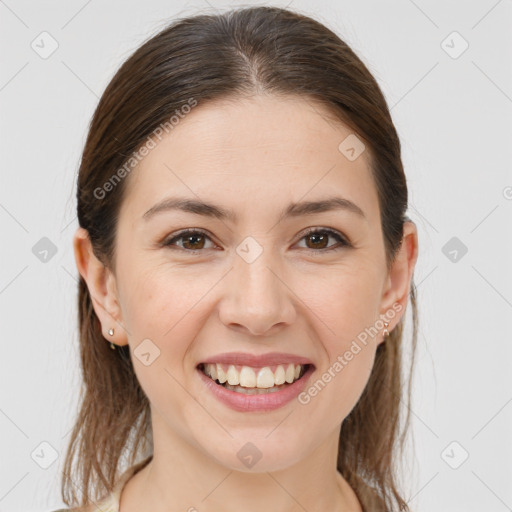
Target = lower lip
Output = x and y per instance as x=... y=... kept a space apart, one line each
x=264 y=402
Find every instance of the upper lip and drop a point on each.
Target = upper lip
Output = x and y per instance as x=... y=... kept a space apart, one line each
x=258 y=361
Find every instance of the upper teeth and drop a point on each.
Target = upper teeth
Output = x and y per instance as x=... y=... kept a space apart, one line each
x=249 y=378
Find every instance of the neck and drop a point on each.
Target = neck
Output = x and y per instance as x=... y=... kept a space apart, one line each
x=181 y=475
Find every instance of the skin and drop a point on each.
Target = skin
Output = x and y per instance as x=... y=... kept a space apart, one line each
x=254 y=156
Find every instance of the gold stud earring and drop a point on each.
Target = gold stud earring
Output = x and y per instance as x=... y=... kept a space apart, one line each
x=385 y=332
x=111 y=333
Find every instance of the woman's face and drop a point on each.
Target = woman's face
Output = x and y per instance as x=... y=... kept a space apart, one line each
x=253 y=283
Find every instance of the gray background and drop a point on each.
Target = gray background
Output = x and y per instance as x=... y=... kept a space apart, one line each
x=453 y=113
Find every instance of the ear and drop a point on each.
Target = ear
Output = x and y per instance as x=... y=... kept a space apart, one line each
x=101 y=283
x=398 y=283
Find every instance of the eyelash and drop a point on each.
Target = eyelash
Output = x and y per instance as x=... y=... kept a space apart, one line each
x=342 y=240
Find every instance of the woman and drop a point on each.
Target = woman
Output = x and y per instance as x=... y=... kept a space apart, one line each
x=244 y=250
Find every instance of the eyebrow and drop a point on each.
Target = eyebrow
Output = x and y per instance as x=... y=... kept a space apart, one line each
x=218 y=212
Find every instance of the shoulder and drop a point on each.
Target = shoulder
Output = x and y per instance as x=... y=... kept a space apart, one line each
x=98 y=507
x=108 y=504
x=71 y=510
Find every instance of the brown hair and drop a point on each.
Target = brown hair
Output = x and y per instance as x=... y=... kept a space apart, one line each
x=236 y=54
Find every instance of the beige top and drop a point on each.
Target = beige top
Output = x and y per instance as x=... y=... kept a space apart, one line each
x=111 y=502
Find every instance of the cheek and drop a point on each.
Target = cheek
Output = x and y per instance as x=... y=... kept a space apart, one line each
x=162 y=318
x=167 y=307
x=347 y=301
x=158 y=302
x=348 y=308
x=341 y=380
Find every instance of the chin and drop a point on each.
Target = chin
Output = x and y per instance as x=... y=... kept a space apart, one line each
x=257 y=454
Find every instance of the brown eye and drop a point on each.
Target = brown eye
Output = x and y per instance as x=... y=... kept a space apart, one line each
x=318 y=239
x=192 y=240
x=195 y=241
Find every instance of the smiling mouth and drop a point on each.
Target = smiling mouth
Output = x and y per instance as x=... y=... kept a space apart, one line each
x=254 y=381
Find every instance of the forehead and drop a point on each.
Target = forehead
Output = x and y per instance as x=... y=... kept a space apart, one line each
x=249 y=152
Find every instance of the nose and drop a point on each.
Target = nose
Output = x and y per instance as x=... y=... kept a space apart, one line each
x=257 y=298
